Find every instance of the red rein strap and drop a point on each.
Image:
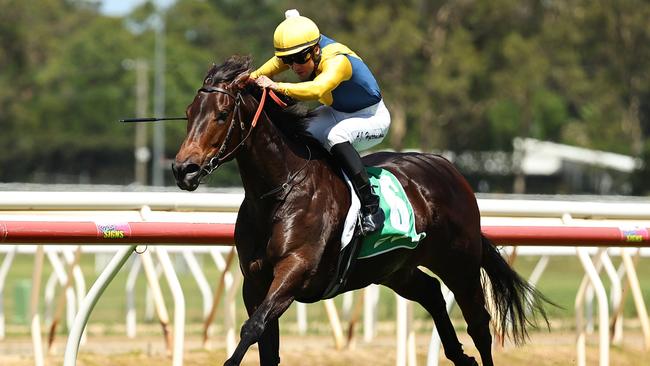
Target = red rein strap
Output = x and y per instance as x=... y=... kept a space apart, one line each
x=261 y=105
x=259 y=108
x=277 y=99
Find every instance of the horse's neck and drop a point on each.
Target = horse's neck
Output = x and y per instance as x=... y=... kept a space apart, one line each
x=268 y=159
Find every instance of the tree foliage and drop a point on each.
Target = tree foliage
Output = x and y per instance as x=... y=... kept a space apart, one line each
x=458 y=75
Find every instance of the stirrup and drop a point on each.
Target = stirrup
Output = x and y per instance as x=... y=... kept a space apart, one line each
x=372 y=222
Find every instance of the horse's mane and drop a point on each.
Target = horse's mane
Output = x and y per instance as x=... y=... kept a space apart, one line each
x=228 y=70
x=292 y=120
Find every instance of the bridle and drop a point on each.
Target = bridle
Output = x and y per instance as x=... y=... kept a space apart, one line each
x=221 y=156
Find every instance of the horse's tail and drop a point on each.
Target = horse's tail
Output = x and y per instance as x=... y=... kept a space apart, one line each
x=515 y=301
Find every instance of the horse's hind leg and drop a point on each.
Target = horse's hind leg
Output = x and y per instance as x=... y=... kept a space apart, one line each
x=469 y=295
x=417 y=286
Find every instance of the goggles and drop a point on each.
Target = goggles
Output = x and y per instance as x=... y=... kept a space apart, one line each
x=297 y=58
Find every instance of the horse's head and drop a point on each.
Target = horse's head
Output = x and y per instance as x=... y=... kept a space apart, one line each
x=213 y=118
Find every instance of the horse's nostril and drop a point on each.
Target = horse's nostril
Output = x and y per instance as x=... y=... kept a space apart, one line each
x=192 y=168
x=185 y=171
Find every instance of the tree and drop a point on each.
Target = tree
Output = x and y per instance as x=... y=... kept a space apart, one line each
x=458 y=75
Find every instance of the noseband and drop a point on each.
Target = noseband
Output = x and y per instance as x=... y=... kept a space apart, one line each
x=221 y=156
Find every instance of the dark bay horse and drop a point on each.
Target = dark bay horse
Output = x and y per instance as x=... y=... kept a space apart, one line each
x=289 y=225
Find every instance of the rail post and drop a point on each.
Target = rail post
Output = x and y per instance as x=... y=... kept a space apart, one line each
x=97 y=289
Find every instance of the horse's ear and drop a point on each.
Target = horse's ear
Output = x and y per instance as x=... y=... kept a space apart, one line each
x=241 y=80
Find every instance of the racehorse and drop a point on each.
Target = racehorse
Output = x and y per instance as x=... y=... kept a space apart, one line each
x=289 y=226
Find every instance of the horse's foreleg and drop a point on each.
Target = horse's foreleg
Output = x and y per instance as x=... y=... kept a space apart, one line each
x=417 y=286
x=287 y=275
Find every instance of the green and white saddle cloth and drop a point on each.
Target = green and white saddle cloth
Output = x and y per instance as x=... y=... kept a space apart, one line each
x=399 y=228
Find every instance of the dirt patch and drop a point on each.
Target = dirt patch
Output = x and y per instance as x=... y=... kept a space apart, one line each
x=543 y=350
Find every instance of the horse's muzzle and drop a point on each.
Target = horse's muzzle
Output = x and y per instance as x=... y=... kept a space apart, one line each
x=188 y=175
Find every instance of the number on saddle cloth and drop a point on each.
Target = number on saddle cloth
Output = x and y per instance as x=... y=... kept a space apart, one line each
x=399 y=228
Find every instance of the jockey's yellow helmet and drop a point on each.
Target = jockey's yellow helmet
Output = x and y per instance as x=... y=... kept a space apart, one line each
x=294 y=34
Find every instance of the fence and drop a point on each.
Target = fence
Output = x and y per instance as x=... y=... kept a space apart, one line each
x=134 y=218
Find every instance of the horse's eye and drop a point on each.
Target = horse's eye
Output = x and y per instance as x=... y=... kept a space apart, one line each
x=221 y=118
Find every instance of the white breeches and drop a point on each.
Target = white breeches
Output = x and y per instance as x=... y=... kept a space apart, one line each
x=364 y=128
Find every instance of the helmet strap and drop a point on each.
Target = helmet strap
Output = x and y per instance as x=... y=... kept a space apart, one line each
x=316 y=56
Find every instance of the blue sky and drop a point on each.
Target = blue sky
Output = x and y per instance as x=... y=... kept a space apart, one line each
x=121 y=7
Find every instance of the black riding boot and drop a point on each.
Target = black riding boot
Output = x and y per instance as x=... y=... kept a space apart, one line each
x=372 y=216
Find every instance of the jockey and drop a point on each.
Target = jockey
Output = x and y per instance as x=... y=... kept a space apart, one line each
x=353 y=115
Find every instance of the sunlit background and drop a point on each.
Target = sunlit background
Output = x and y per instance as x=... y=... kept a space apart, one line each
x=523 y=96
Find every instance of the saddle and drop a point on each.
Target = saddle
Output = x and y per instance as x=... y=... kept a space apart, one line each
x=398 y=230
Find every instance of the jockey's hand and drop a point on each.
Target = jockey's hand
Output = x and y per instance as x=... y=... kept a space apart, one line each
x=266 y=82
